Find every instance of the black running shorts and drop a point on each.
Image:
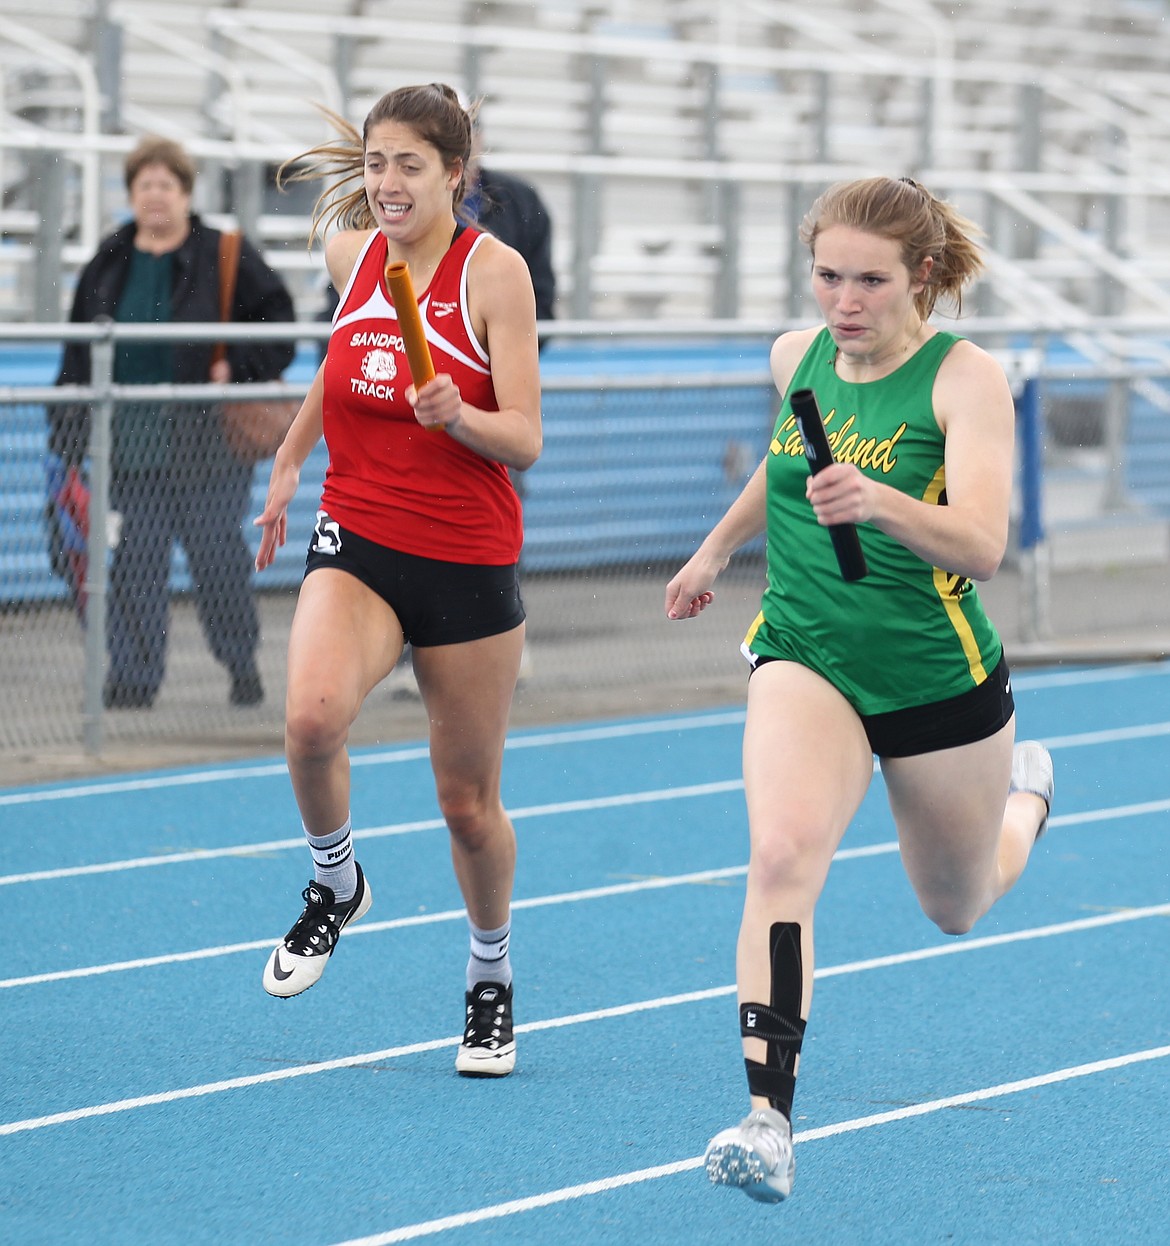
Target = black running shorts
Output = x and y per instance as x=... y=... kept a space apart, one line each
x=963 y=719
x=436 y=602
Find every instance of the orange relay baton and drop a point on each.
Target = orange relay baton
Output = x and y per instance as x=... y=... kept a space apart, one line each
x=418 y=353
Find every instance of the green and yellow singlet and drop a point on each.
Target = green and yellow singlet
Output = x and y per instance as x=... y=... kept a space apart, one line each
x=907 y=634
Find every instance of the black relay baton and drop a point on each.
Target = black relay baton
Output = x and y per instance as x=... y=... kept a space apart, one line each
x=846 y=543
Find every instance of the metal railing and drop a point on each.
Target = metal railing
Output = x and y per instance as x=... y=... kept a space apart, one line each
x=1074 y=149
x=607 y=508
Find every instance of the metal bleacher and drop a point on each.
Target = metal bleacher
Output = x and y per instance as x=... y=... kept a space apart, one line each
x=676 y=142
x=631 y=117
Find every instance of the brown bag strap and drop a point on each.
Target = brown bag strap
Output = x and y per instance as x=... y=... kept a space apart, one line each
x=229 y=267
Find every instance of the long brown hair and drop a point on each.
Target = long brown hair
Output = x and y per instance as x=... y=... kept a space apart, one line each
x=907 y=213
x=433 y=111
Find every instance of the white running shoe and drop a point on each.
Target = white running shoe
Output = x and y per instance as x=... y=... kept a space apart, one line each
x=755 y=1156
x=1032 y=772
x=299 y=960
x=488 y=1048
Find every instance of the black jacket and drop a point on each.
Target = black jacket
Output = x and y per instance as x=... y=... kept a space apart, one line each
x=515 y=213
x=260 y=296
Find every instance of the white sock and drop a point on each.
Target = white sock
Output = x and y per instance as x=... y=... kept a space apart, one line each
x=333 y=861
x=489 y=955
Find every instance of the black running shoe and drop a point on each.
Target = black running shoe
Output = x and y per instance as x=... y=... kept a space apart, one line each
x=488 y=1048
x=299 y=960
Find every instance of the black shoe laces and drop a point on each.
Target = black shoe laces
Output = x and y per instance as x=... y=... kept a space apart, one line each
x=487 y=1021
x=318 y=928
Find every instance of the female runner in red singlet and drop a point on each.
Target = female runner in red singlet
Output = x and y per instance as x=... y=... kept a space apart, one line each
x=418 y=536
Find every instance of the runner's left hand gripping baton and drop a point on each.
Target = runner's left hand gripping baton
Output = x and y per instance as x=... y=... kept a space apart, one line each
x=846 y=542
x=418 y=353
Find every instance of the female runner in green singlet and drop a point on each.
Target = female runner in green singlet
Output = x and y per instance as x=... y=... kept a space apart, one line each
x=903 y=664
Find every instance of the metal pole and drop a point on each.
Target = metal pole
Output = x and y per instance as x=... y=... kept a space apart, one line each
x=587 y=191
x=821 y=119
x=727 y=279
x=49 y=173
x=1112 y=295
x=107 y=46
x=587 y=194
x=248 y=185
x=1033 y=545
x=101 y=419
x=472 y=68
x=927 y=155
x=721 y=202
x=797 y=264
x=1116 y=428
x=344 y=55
x=1029 y=144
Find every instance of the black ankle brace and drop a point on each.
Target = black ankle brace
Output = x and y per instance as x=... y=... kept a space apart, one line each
x=780 y=1024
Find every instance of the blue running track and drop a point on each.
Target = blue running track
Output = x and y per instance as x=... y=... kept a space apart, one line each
x=1011 y=1086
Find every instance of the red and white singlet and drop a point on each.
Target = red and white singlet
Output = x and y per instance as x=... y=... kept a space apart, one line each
x=389 y=480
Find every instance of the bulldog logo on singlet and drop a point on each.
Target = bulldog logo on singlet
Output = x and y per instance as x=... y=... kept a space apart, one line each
x=377 y=368
x=379 y=365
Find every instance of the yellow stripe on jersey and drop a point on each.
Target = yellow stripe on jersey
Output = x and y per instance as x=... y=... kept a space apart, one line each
x=755 y=627
x=945 y=583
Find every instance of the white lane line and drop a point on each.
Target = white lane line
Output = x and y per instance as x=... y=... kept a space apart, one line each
x=655 y=883
x=1112 y=735
x=201 y=854
x=844 y=854
x=587 y=805
x=1073 y=926
x=1092 y=675
x=428 y=1228
x=396 y=923
x=1110 y=815
x=568 y=1194
x=277 y=769
x=118 y=787
x=581 y=1018
x=546 y=739
x=554 y=809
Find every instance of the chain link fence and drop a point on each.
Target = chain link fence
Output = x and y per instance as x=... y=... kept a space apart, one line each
x=179 y=652
x=170 y=641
